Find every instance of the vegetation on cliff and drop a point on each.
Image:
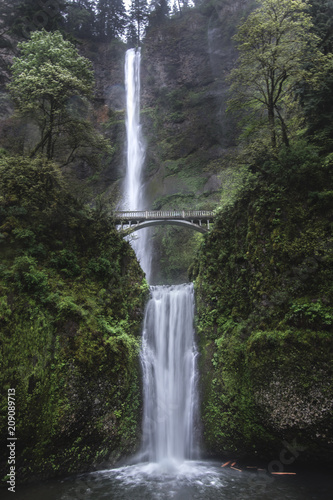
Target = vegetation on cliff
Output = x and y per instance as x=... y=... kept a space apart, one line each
x=50 y=85
x=263 y=278
x=72 y=293
x=264 y=296
x=72 y=297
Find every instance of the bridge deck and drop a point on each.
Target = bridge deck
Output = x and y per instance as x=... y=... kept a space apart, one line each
x=143 y=215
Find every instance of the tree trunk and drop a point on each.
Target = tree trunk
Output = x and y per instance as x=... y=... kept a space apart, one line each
x=285 y=137
x=49 y=142
x=271 y=122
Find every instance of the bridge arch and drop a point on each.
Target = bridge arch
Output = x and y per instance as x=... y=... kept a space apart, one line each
x=197 y=220
x=149 y=223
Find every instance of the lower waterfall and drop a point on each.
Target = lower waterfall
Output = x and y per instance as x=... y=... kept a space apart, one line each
x=169 y=376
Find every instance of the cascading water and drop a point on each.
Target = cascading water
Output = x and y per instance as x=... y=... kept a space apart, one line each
x=169 y=375
x=135 y=148
x=168 y=351
x=168 y=361
x=134 y=192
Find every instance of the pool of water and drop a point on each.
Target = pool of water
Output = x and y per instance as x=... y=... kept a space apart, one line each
x=187 y=481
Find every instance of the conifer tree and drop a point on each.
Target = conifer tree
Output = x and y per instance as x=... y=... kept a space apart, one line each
x=318 y=102
x=159 y=12
x=111 y=19
x=81 y=18
x=322 y=16
x=32 y=15
x=7 y=17
x=139 y=13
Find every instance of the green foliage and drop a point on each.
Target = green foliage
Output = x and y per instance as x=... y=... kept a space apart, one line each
x=111 y=19
x=49 y=69
x=28 y=16
x=29 y=184
x=172 y=265
x=67 y=262
x=80 y=19
x=322 y=16
x=50 y=84
x=318 y=107
x=277 y=50
x=313 y=315
x=71 y=305
x=138 y=16
x=26 y=275
x=103 y=269
x=263 y=281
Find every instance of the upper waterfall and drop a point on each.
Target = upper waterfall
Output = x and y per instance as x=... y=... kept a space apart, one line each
x=133 y=193
x=134 y=189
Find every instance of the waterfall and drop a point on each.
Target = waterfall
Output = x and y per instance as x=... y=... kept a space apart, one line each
x=168 y=351
x=134 y=191
x=169 y=375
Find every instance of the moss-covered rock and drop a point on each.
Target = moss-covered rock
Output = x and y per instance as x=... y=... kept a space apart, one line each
x=263 y=280
x=71 y=303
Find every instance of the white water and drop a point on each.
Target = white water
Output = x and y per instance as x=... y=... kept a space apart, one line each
x=134 y=192
x=168 y=352
x=169 y=376
x=169 y=358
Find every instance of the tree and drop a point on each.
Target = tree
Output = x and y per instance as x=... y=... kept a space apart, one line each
x=80 y=18
x=318 y=102
x=159 y=13
x=277 y=50
x=32 y=15
x=50 y=84
x=6 y=18
x=322 y=15
x=139 y=14
x=111 y=19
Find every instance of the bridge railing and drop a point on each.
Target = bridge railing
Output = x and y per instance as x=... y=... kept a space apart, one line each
x=163 y=214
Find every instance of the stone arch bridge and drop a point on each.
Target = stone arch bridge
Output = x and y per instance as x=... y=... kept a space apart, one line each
x=130 y=221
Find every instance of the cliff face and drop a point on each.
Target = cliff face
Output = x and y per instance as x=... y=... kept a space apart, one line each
x=185 y=126
x=188 y=133
x=264 y=298
x=72 y=297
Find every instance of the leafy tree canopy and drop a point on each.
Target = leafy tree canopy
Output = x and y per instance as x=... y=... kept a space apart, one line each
x=50 y=84
x=49 y=69
x=277 y=50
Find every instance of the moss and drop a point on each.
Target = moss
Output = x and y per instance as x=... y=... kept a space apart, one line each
x=263 y=279
x=72 y=298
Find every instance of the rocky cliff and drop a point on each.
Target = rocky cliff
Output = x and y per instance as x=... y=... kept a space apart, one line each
x=264 y=297
x=188 y=133
x=71 y=306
